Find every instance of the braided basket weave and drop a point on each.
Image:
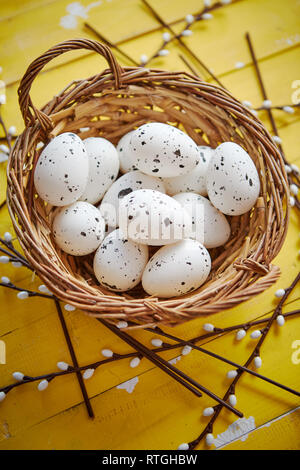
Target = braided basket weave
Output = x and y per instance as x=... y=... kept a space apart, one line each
x=111 y=104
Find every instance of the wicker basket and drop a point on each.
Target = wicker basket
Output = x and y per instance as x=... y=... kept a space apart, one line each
x=110 y=104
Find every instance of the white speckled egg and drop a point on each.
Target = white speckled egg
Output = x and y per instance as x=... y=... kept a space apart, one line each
x=210 y=226
x=119 y=263
x=232 y=180
x=103 y=168
x=153 y=218
x=126 y=164
x=124 y=185
x=177 y=269
x=78 y=229
x=61 y=173
x=195 y=181
x=162 y=150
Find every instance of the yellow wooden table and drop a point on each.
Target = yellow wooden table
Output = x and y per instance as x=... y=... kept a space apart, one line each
x=158 y=413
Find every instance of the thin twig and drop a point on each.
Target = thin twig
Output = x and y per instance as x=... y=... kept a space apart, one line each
x=74 y=359
x=181 y=42
x=153 y=357
x=110 y=44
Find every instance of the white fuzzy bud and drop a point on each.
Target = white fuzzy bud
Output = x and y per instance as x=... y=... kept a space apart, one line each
x=225 y=2
x=277 y=139
x=186 y=33
x=144 y=59
x=88 y=373
x=183 y=446
x=280 y=320
x=247 y=103
x=294 y=168
x=122 y=324
x=44 y=289
x=62 y=365
x=288 y=169
x=135 y=362
x=292 y=201
x=239 y=65
x=3 y=157
x=254 y=112
x=43 y=385
x=5 y=280
x=2 y=396
x=279 y=293
x=294 y=189
x=186 y=350
x=69 y=308
x=18 y=376
x=231 y=374
x=166 y=37
x=232 y=400
x=156 y=342
x=7 y=237
x=22 y=295
x=208 y=411
x=189 y=19
x=207 y=16
x=163 y=52
x=107 y=353
x=1 y=69
x=17 y=264
x=4 y=259
x=288 y=109
x=208 y=327
x=266 y=104
x=240 y=334
x=255 y=334
x=2 y=99
x=4 y=148
x=209 y=439
x=257 y=362
x=207 y=3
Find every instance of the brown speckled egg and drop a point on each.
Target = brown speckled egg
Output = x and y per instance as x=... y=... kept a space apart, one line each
x=152 y=218
x=210 y=226
x=194 y=181
x=177 y=269
x=124 y=185
x=119 y=263
x=61 y=173
x=232 y=180
x=159 y=149
x=126 y=164
x=103 y=168
x=79 y=228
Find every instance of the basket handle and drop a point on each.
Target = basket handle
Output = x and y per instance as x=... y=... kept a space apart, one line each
x=28 y=110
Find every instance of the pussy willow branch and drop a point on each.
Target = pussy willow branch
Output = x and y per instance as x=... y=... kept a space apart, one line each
x=256 y=351
x=181 y=342
x=292 y=176
x=178 y=38
x=8 y=137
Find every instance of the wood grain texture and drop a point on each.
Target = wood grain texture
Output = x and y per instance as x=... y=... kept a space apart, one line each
x=158 y=414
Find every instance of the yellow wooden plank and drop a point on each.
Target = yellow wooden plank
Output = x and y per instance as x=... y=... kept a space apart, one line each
x=17 y=7
x=279 y=433
x=242 y=84
x=18 y=35
x=155 y=413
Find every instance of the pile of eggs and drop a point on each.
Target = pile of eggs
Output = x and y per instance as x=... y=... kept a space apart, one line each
x=160 y=200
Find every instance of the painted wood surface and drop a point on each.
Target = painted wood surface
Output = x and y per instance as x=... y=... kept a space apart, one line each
x=151 y=411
